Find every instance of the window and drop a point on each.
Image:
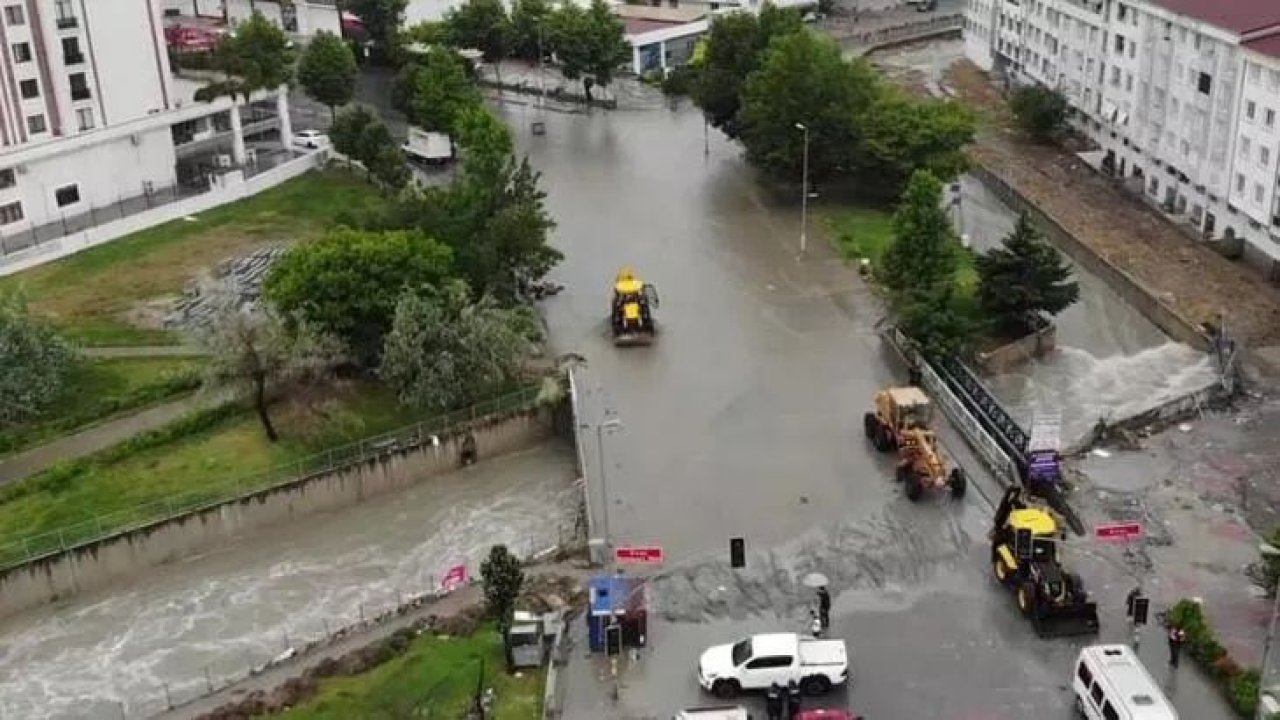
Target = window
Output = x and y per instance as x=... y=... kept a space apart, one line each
x=67 y=195
x=10 y=213
x=30 y=89
x=1258 y=192
x=13 y=15
x=21 y=52
x=1119 y=44
x=1204 y=84
x=1269 y=118
x=1250 y=109
x=1109 y=713
x=1239 y=183
x=71 y=54
x=1083 y=673
x=1096 y=693
x=79 y=87
x=1245 y=146
x=7 y=178
x=84 y=116
x=36 y=124
x=65 y=11
x=1264 y=156
x=769 y=661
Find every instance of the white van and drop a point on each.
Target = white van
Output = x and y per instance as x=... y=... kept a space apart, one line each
x=1110 y=683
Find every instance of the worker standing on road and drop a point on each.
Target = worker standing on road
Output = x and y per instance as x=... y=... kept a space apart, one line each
x=793 y=700
x=1177 y=637
x=773 y=702
x=824 y=608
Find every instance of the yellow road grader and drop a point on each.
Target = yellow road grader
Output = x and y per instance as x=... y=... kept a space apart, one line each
x=901 y=422
x=631 y=312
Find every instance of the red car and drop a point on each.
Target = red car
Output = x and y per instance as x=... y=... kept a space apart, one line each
x=828 y=715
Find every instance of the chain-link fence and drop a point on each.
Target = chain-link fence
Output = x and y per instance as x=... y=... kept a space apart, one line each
x=22 y=548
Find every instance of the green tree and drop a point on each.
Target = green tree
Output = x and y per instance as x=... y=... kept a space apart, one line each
x=389 y=167
x=439 y=88
x=347 y=283
x=1023 y=278
x=381 y=19
x=327 y=71
x=1040 y=111
x=480 y=25
x=608 y=43
x=347 y=128
x=931 y=315
x=427 y=33
x=258 y=56
x=901 y=134
x=804 y=79
x=569 y=32
x=924 y=252
x=255 y=354
x=730 y=53
x=503 y=580
x=530 y=20
x=36 y=362
x=446 y=350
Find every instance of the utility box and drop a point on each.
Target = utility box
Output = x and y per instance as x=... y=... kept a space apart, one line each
x=617 y=599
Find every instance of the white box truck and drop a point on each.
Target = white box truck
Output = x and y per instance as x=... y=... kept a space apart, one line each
x=432 y=148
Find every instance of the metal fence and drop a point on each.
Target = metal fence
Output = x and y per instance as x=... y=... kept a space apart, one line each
x=20 y=549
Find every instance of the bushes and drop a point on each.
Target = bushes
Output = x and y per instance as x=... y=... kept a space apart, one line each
x=1239 y=685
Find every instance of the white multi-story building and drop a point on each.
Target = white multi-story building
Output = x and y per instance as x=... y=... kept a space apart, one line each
x=93 y=123
x=302 y=18
x=1174 y=92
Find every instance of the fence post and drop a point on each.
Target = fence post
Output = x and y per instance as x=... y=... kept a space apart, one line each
x=361 y=612
x=168 y=699
x=208 y=680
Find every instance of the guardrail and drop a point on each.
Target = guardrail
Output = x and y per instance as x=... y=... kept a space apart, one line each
x=21 y=549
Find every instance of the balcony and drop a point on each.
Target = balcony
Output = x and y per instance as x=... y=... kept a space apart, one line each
x=68 y=23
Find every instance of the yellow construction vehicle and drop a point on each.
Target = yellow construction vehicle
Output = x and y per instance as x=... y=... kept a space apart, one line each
x=1025 y=559
x=901 y=422
x=631 y=312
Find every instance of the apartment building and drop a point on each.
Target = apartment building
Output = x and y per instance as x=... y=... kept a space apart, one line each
x=91 y=117
x=1174 y=92
x=301 y=18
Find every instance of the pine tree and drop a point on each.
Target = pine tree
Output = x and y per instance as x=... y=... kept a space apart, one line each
x=924 y=252
x=1022 y=279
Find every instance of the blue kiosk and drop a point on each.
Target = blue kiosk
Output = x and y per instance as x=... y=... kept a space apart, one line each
x=616 y=601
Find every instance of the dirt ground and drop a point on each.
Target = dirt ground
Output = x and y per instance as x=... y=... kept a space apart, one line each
x=1188 y=276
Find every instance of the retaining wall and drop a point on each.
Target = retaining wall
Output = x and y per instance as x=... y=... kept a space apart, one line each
x=1006 y=357
x=1172 y=411
x=94 y=565
x=1124 y=284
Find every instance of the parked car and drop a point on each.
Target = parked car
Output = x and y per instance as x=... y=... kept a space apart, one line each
x=310 y=140
x=716 y=712
x=828 y=714
x=759 y=661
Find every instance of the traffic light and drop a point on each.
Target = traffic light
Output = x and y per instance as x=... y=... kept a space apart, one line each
x=1141 y=607
x=737 y=552
x=1022 y=543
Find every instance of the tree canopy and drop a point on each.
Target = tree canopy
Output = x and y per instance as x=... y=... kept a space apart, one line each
x=607 y=42
x=446 y=349
x=503 y=578
x=1040 y=111
x=480 y=25
x=360 y=135
x=804 y=79
x=348 y=282
x=733 y=50
x=590 y=43
x=931 y=316
x=381 y=19
x=529 y=19
x=327 y=71
x=901 y=134
x=924 y=252
x=257 y=56
x=36 y=362
x=436 y=90
x=1023 y=278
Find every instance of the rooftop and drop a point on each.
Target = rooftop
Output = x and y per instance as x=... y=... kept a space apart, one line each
x=1238 y=16
x=1269 y=46
x=667 y=16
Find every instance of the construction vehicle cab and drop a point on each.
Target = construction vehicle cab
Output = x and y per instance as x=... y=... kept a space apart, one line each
x=1025 y=559
x=631 y=313
x=901 y=422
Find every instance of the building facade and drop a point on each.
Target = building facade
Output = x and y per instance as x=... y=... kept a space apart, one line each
x=1175 y=93
x=92 y=118
x=301 y=18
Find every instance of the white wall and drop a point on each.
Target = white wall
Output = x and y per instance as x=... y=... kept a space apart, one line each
x=1256 y=135
x=311 y=18
x=103 y=173
x=132 y=64
x=977 y=33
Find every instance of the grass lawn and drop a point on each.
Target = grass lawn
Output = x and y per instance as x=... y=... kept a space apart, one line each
x=89 y=294
x=435 y=678
x=865 y=232
x=198 y=466
x=100 y=388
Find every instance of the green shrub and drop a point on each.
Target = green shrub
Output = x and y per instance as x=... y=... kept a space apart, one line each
x=1239 y=685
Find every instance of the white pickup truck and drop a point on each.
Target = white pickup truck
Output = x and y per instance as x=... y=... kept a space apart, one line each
x=759 y=661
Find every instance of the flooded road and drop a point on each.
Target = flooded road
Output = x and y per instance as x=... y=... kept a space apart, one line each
x=117 y=653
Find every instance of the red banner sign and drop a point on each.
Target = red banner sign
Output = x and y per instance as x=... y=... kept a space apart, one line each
x=454 y=579
x=643 y=555
x=1119 y=532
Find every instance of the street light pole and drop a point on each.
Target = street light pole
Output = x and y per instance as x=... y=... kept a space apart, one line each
x=804 y=190
x=604 y=482
x=1267 y=550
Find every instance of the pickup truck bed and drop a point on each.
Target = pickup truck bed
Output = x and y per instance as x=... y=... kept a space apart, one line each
x=822 y=652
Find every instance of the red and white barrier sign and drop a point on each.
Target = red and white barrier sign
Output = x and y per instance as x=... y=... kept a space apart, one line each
x=454 y=579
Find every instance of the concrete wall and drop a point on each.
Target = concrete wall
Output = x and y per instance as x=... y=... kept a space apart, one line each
x=232 y=187
x=97 y=564
x=1175 y=410
x=1128 y=287
x=1006 y=357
